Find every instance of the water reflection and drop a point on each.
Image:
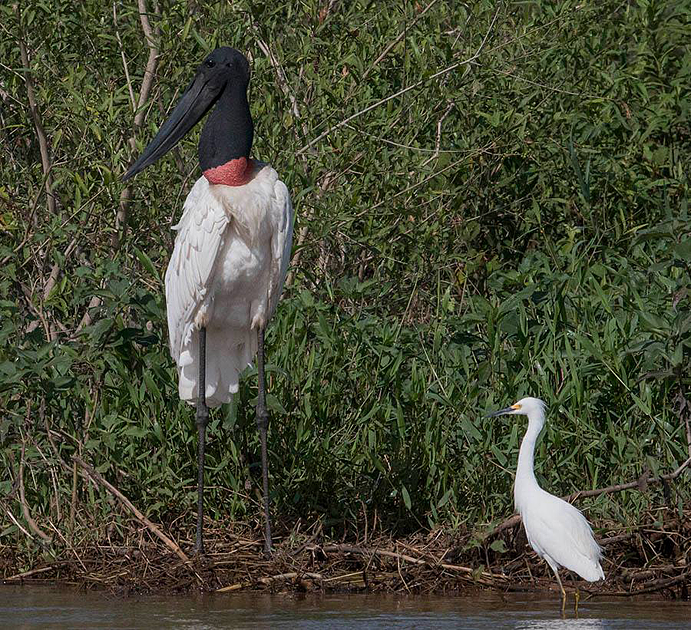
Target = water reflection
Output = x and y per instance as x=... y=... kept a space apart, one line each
x=31 y=607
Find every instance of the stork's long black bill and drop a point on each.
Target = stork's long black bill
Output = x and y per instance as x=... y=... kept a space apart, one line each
x=194 y=103
x=501 y=412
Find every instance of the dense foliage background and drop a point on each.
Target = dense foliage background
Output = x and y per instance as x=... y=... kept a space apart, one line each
x=492 y=201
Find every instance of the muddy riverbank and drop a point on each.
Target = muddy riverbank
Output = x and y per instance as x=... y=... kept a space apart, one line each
x=651 y=559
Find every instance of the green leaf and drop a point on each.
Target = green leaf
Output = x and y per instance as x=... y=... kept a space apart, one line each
x=406 y=497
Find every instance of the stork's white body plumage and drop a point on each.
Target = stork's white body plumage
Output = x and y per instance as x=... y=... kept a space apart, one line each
x=231 y=252
x=226 y=274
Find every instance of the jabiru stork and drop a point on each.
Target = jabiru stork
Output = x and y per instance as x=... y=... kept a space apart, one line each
x=231 y=251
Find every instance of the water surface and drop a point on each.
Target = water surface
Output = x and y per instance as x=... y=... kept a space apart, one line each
x=34 y=607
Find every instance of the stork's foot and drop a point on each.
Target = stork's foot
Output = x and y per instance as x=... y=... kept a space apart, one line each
x=563 y=602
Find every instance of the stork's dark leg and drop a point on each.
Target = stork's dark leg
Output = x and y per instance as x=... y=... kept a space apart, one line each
x=263 y=425
x=202 y=421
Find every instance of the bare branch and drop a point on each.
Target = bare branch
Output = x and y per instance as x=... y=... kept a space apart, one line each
x=363 y=551
x=285 y=87
x=392 y=45
x=152 y=36
x=437 y=144
x=26 y=574
x=96 y=477
x=281 y=77
x=628 y=486
x=638 y=484
x=16 y=522
x=22 y=499
x=124 y=60
x=36 y=117
x=55 y=270
x=436 y=75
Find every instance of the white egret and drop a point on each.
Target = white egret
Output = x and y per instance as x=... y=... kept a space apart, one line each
x=556 y=530
x=231 y=252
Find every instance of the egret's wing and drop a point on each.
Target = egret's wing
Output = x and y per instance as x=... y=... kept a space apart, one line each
x=201 y=233
x=281 y=242
x=558 y=529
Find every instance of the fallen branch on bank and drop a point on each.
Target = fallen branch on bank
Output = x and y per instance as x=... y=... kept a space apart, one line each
x=270 y=579
x=478 y=576
x=26 y=574
x=653 y=586
x=649 y=557
x=96 y=477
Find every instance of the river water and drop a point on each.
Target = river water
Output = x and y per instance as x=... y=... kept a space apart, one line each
x=34 y=607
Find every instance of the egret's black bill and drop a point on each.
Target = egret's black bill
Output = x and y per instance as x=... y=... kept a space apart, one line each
x=194 y=103
x=501 y=412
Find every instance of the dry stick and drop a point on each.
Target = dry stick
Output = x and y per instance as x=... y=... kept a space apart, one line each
x=282 y=79
x=22 y=499
x=437 y=144
x=36 y=116
x=147 y=82
x=627 y=486
x=285 y=88
x=403 y=91
x=648 y=587
x=73 y=469
x=21 y=576
x=149 y=75
x=363 y=551
x=124 y=60
x=28 y=294
x=89 y=416
x=95 y=476
x=402 y=34
x=16 y=522
x=55 y=270
x=515 y=519
x=269 y=580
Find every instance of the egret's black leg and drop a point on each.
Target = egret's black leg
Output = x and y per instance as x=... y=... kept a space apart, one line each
x=263 y=425
x=202 y=420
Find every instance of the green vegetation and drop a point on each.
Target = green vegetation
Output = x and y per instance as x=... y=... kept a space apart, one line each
x=513 y=220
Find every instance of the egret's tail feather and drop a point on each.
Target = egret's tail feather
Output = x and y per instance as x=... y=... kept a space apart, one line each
x=228 y=353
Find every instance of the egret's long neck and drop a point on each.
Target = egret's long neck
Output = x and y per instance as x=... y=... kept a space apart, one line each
x=525 y=475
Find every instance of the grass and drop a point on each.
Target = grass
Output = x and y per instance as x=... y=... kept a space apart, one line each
x=517 y=225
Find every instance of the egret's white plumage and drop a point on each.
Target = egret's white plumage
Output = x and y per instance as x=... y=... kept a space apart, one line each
x=556 y=530
x=226 y=274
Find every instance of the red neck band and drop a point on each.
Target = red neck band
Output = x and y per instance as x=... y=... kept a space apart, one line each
x=235 y=172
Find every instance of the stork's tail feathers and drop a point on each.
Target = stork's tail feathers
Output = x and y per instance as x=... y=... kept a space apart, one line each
x=224 y=364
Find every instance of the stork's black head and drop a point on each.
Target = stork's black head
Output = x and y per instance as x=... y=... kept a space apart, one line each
x=222 y=66
x=225 y=70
